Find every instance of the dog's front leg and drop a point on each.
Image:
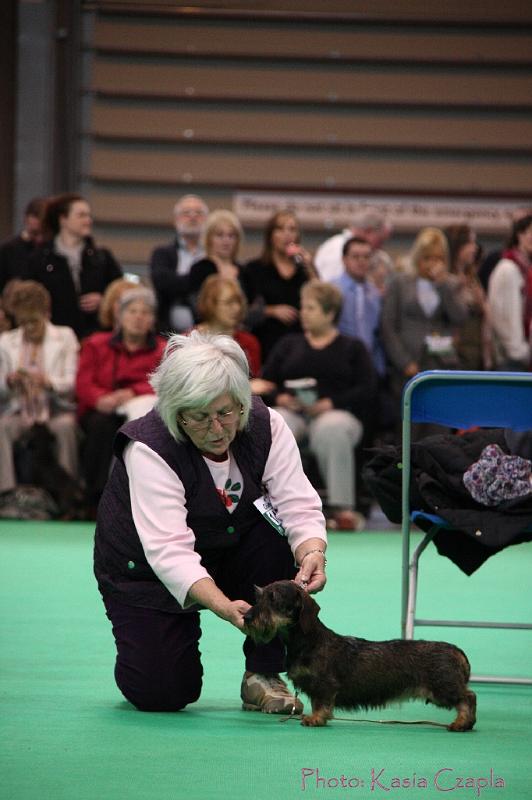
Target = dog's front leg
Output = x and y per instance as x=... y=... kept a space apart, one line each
x=322 y=710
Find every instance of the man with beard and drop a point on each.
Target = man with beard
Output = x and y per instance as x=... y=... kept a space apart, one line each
x=170 y=264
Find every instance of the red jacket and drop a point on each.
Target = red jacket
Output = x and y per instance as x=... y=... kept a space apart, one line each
x=106 y=365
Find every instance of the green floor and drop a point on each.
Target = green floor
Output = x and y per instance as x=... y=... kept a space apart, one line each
x=67 y=735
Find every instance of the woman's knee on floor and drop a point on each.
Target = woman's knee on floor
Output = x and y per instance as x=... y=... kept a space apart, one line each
x=170 y=695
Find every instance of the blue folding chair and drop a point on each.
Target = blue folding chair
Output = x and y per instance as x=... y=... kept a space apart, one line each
x=455 y=399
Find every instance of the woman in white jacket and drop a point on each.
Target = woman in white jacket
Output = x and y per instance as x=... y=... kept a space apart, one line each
x=510 y=299
x=38 y=364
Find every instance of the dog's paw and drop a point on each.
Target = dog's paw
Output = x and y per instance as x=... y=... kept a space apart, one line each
x=313 y=720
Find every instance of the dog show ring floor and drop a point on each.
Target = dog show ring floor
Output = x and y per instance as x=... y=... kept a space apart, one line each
x=67 y=733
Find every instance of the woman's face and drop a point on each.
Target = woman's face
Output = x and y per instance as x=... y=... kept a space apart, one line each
x=137 y=319
x=285 y=232
x=431 y=262
x=314 y=319
x=223 y=241
x=213 y=428
x=228 y=309
x=468 y=252
x=78 y=220
x=524 y=240
x=33 y=324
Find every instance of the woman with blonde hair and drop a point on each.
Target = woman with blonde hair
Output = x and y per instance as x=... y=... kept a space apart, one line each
x=221 y=308
x=421 y=312
x=222 y=237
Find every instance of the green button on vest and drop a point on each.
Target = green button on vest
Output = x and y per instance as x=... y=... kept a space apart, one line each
x=230 y=529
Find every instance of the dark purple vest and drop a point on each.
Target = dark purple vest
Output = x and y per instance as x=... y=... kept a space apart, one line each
x=120 y=565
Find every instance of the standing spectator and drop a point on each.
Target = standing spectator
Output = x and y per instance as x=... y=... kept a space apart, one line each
x=421 y=312
x=369 y=225
x=15 y=252
x=221 y=308
x=70 y=266
x=275 y=278
x=170 y=264
x=333 y=411
x=361 y=309
x=510 y=298
x=474 y=340
x=489 y=263
x=37 y=373
x=112 y=382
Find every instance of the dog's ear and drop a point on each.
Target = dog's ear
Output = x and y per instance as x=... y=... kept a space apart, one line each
x=309 y=613
x=258 y=591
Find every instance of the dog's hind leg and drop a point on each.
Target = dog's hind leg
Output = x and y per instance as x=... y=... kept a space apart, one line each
x=466 y=717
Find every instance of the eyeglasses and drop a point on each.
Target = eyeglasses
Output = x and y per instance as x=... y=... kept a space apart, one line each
x=202 y=422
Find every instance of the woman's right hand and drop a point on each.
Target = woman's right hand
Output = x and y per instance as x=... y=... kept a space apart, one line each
x=284 y=313
x=234 y=612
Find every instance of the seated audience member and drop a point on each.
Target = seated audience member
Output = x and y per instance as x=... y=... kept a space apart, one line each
x=275 y=278
x=222 y=237
x=510 y=298
x=38 y=363
x=473 y=342
x=324 y=385
x=73 y=269
x=421 y=313
x=361 y=307
x=112 y=382
x=170 y=264
x=221 y=308
x=110 y=305
x=369 y=225
x=15 y=252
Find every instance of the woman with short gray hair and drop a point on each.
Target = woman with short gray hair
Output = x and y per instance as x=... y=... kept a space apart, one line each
x=207 y=498
x=112 y=382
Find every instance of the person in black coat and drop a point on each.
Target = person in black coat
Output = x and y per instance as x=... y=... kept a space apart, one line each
x=70 y=266
x=16 y=252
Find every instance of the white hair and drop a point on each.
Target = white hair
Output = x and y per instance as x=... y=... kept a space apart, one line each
x=194 y=371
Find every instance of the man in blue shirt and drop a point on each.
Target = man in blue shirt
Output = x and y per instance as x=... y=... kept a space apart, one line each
x=361 y=310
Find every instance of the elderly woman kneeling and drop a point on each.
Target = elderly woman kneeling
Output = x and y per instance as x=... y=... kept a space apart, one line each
x=207 y=497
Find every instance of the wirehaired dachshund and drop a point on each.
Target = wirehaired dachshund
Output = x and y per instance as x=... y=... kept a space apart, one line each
x=351 y=673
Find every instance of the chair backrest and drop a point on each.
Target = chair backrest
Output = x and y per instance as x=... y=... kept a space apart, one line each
x=462 y=399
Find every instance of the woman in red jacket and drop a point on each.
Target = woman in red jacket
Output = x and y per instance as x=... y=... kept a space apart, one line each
x=112 y=383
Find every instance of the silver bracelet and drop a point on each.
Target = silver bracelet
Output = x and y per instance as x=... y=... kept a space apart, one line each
x=317 y=550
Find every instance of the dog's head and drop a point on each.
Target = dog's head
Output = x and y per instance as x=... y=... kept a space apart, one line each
x=279 y=607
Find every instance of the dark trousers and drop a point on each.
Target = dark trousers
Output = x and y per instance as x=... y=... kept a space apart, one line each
x=158 y=664
x=97 y=451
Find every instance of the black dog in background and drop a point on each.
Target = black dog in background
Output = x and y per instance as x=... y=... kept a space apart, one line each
x=350 y=673
x=37 y=464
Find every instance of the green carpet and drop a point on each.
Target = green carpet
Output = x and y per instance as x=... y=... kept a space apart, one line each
x=67 y=734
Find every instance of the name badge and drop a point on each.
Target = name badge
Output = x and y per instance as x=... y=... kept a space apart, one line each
x=264 y=506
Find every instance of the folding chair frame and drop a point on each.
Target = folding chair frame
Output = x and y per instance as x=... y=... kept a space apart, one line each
x=456 y=399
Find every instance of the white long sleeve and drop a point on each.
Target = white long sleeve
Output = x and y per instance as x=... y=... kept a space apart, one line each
x=159 y=511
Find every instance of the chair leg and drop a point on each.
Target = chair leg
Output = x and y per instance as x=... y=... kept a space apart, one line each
x=412 y=583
